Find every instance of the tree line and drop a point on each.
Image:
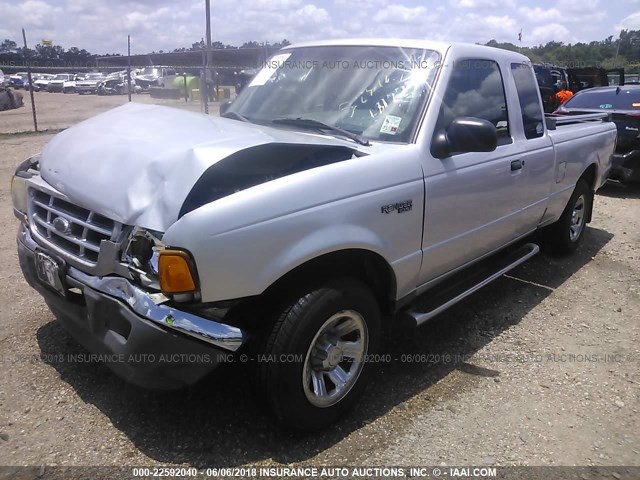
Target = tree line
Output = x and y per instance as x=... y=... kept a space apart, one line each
x=608 y=53
x=11 y=54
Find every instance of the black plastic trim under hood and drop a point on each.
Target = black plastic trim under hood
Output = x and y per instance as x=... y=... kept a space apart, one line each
x=257 y=165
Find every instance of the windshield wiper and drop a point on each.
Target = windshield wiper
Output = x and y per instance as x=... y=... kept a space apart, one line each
x=311 y=123
x=235 y=116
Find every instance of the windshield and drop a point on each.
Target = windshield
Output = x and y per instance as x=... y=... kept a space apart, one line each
x=611 y=99
x=61 y=77
x=148 y=71
x=93 y=76
x=374 y=92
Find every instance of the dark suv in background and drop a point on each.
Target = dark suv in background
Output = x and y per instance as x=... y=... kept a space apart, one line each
x=549 y=78
x=623 y=102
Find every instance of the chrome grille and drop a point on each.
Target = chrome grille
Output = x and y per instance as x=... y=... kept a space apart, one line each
x=83 y=229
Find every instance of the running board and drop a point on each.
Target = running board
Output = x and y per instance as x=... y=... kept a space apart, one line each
x=451 y=291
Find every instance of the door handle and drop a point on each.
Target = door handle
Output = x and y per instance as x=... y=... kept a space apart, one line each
x=517 y=165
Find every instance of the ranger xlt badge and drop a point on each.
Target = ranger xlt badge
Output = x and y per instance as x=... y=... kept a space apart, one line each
x=400 y=207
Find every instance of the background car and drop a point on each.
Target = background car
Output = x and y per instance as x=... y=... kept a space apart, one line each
x=116 y=84
x=153 y=77
x=623 y=102
x=57 y=83
x=70 y=85
x=42 y=81
x=19 y=80
x=34 y=78
x=90 y=83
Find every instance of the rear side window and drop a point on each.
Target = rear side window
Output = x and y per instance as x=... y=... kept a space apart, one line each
x=529 y=101
x=476 y=89
x=611 y=99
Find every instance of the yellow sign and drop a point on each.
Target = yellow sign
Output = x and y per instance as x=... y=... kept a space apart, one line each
x=47 y=43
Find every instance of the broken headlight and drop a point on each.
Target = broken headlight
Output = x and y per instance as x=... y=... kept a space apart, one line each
x=24 y=171
x=141 y=253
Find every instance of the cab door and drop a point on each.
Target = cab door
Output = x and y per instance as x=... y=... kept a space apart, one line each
x=538 y=155
x=473 y=200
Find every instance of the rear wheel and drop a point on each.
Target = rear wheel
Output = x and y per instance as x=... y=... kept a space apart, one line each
x=313 y=369
x=564 y=236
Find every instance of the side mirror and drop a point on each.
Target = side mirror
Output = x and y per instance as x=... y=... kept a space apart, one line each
x=465 y=134
x=224 y=106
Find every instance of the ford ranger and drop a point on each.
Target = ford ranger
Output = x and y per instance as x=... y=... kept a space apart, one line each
x=351 y=183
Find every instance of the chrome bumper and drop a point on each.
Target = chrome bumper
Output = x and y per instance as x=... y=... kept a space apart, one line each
x=218 y=334
x=148 y=305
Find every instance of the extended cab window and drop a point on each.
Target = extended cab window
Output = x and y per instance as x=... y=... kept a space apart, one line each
x=529 y=102
x=475 y=89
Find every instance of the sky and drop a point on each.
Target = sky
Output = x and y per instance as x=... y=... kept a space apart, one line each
x=102 y=26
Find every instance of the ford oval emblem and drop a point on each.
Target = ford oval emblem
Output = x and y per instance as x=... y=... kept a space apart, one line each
x=62 y=225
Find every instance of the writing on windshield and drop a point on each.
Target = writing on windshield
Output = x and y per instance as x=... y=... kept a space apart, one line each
x=371 y=91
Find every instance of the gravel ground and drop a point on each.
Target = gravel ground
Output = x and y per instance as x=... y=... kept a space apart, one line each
x=57 y=110
x=538 y=368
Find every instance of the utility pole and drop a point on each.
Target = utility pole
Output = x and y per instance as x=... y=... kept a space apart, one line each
x=129 y=64
x=33 y=102
x=207 y=64
x=615 y=60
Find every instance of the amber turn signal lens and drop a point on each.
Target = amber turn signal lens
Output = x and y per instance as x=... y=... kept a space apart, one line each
x=175 y=272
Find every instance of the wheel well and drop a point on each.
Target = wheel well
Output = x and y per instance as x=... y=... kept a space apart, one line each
x=364 y=265
x=589 y=176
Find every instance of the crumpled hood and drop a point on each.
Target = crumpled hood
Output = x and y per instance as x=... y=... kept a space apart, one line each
x=137 y=163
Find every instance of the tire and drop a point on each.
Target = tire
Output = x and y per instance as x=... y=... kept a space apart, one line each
x=313 y=329
x=565 y=235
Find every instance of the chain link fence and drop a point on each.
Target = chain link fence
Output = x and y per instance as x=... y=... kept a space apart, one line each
x=61 y=100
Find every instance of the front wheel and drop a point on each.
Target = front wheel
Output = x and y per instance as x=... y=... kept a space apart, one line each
x=564 y=236
x=314 y=365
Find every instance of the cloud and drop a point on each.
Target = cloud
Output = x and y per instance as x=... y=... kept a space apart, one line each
x=572 y=6
x=400 y=14
x=32 y=13
x=474 y=27
x=540 y=15
x=276 y=5
x=551 y=32
x=631 y=22
x=477 y=4
x=545 y=15
x=102 y=27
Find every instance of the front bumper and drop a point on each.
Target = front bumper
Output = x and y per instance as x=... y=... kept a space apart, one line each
x=626 y=166
x=148 y=344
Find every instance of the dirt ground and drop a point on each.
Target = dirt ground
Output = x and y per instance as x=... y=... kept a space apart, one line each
x=57 y=110
x=539 y=368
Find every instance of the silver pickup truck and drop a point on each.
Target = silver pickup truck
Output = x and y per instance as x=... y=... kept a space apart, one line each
x=351 y=183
